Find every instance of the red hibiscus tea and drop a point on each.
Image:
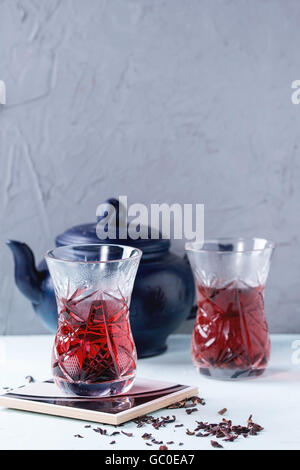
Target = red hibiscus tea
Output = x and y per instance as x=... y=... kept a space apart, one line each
x=94 y=352
x=93 y=344
x=230 y=338
x=231 y=332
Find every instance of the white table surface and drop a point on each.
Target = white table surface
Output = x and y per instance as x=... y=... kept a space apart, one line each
x=273 y=400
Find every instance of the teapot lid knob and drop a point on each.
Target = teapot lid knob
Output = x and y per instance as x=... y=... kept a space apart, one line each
x=112 y=214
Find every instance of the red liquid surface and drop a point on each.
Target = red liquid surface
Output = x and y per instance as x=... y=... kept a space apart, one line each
x=93 y=343
x=230 y=330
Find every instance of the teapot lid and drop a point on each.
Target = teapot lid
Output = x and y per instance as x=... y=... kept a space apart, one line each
x=87 y=234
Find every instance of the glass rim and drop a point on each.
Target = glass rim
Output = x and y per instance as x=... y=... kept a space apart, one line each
x=48 y=253
x=192 y=246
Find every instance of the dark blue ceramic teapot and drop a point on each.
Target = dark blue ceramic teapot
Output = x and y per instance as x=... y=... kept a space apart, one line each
x=163 y=292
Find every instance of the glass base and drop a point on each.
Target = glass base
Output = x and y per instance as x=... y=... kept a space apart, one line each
x=230 y=374
x=101 y=389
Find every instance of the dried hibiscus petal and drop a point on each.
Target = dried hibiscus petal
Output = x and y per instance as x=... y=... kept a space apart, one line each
x=216 y=444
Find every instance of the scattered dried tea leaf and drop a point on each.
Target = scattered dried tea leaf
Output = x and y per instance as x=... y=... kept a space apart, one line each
x=78 y=435
x=103 y=432
x=128 y=434
x=155 y=422
x=197 y=401
x=191 y=410
x=29 y=378
x=216 y=444
x=222 y=411
x=163 y=448
x=187 y=403
x=252 y=432
x=157 y=442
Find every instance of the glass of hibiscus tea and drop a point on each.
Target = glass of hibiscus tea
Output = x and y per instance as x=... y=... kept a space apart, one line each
x=94 y=352
x=230 y=338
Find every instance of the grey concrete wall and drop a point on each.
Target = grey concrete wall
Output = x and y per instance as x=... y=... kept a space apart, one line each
x=161 y=100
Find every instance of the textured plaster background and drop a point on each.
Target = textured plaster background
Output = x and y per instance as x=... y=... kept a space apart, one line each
x=161 y=100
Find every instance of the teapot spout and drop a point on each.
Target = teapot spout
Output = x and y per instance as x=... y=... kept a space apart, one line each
x=26 y=275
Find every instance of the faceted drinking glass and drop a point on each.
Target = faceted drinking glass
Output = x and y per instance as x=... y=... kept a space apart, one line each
x=230 y=338
x=94 y=352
